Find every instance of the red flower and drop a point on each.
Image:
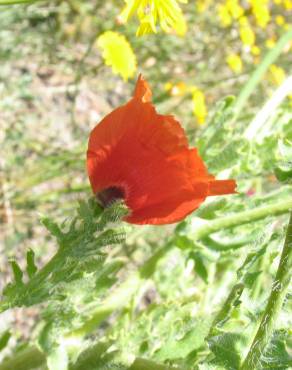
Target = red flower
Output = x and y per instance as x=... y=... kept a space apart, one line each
x=141 y=156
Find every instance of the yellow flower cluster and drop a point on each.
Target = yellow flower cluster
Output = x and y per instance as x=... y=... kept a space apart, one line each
x=149 y=12
x=246 y=17
x=287 y=4
x=260 y=10
x=229 y=11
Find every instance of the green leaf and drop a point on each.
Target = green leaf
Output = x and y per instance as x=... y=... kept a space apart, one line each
x=250 y=278
x=228 y=155
x=215 y=130
x=30 y=264
x=224 y=349
x=200 y=267
x=192 y=340
x=4 y=339
x=52 y=227
x=277 y=356
x=283 y=171
x=82 y=251
x=91 y=357
x=250 y=260
x=17 y=272
x=208 y=211
x=183 y=242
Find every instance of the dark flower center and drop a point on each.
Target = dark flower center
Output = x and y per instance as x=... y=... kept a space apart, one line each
x=110 y=195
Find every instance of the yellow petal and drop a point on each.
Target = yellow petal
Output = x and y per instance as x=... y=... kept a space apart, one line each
x=117 y=54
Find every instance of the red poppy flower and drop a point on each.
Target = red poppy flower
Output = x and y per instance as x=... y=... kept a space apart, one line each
x=143 y=157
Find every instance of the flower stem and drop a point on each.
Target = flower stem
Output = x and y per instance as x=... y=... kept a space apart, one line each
x=241 y=218
x=275 y=302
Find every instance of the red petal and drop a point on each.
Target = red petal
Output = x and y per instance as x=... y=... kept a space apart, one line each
x=146 y=155
x=142 y=90
x=220 y=187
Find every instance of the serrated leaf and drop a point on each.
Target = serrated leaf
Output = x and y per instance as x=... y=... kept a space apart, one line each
x=277 y=356
x=200 y=267
x=17 y=272
x=224 y=349
x=228 y=156
x=52 y=227
x=192 y=340
x=30 y=264
x=250 y=260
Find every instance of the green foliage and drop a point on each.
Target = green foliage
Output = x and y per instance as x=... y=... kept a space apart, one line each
x=80 y=254
x=276 y=355
x=4 y=339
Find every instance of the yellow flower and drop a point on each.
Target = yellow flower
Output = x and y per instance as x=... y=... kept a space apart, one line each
x=280 y=20
x=277 y=74
x=255 y=50
x=179 y=89
x=235 y=63
x=225 y=17
x=117 y=54
x=247 y=35
x=168 y=86
x=167 y=12
x=235 y=10
x=261 y=12
x=199 y=105
x=203 y=5
x=288 y=4
x=270 y=43
x=243 y=21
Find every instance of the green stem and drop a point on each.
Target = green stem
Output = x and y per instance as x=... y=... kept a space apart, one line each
x=275 y=302
x=257 y=75
x=241 y=218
